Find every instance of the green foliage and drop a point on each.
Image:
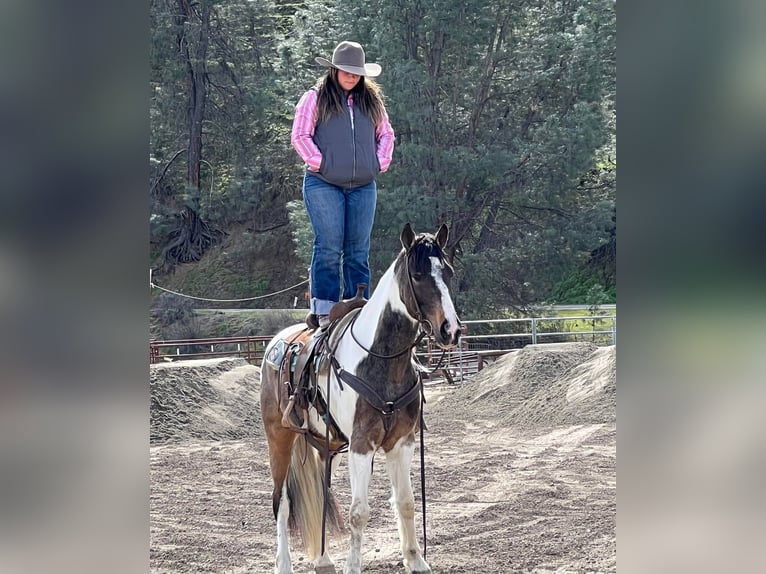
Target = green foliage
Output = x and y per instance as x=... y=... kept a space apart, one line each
x=244 y=287
x=302 y=232
x=245 y=130
x=583 y=288
x=222 y=330
x=198 y=281
x=597 y=296
x=249 y=322
x=505 y=122
x=501 y=111
x=216 y=283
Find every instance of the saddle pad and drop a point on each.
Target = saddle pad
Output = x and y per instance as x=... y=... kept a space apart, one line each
x=276 y=353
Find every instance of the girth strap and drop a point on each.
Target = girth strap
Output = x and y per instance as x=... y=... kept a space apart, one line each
x=371 y=395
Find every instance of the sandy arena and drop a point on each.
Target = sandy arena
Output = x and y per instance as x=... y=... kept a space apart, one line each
x=520 y=470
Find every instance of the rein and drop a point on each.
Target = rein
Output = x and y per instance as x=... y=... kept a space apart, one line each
x=417 y=315
x=378 y=355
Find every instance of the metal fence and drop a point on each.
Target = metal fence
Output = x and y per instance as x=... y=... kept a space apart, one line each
x=249 y=348
x=486 y=334
x=482 y=341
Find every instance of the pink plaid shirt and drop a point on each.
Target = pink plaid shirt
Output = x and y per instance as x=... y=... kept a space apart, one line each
x=302 y=136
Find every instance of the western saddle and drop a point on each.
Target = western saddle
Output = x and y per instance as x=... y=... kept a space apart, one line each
x=305 y=360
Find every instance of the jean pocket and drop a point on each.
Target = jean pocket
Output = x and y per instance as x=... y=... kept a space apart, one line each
x=312 y=182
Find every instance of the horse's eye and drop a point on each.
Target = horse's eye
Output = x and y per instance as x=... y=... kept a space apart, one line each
x=418 y=276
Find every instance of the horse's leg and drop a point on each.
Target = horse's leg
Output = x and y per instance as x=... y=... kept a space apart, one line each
x=297 y=473
x=398 y=463
x=360 y=470
x=280 y=449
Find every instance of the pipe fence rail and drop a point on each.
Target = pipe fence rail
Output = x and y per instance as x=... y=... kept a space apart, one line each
x=482 y=342
x=485 y=340
x=602 y=330
x=250 y=348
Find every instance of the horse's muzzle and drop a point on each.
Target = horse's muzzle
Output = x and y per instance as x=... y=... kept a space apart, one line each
x=449 y=334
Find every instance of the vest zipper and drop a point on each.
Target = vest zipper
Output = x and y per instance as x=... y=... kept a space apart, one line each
x=353 y=139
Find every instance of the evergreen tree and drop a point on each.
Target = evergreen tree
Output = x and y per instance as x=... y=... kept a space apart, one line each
x=504 y=116
x=500 y=110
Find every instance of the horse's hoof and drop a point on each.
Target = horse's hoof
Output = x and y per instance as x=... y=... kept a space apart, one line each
x=325 y=569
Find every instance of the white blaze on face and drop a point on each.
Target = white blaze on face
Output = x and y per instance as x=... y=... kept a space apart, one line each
x=449 y=309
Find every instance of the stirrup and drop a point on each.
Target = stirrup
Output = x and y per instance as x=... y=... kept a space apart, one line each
x=287 y=421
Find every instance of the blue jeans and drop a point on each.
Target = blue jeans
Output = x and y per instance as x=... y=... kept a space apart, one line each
x=342 y=219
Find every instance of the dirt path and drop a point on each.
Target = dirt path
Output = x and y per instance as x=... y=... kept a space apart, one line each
x=501 y=498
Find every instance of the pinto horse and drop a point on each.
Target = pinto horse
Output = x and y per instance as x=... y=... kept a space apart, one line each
x=366 y=379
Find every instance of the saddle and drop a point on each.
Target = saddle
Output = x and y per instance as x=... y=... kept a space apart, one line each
x=306 y=359
x=340 y=309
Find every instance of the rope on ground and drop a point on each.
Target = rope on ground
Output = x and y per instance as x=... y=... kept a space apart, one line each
x=153 y=284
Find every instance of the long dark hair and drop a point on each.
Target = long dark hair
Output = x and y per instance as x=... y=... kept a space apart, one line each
x=331 y=100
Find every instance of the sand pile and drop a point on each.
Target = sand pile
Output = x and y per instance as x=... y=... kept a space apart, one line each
x=540 y=386
x=537 y=386
x=207 y=399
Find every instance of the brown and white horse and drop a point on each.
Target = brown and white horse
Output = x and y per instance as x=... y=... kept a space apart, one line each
x=373 y=346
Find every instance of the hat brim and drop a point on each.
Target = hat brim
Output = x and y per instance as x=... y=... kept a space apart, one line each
x=369 y=70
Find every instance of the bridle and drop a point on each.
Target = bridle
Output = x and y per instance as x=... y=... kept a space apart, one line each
x=425 y=327
x=418 y=315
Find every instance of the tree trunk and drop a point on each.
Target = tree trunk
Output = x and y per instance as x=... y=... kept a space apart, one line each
x=192 y=236
x=197 y=72
x=189 y=240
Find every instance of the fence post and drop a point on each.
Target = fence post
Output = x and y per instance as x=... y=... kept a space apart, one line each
x=534 y=331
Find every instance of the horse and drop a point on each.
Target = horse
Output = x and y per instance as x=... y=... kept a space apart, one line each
x=367 y=379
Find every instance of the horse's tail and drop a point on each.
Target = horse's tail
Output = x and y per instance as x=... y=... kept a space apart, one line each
x=305 y=490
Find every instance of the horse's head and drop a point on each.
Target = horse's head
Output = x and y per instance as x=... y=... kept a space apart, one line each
x=424 y=284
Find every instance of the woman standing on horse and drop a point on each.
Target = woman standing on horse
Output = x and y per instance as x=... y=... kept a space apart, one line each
x=342 y=133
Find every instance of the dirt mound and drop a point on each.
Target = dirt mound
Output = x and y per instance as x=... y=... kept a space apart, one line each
x=583 y=394
x=540 y=386
x=537 y=386
x=210 y=399
x=516 y=481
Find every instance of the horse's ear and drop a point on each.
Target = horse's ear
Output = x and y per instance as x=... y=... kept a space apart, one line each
x=442 y=235
x=407 y=237
x=452 y=251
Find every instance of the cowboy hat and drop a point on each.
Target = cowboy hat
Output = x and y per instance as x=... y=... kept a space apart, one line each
x=349 y=57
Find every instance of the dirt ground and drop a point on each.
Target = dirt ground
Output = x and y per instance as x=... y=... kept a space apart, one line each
x=520 y=470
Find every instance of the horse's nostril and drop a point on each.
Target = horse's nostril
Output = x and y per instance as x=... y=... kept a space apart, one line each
x=449 y=334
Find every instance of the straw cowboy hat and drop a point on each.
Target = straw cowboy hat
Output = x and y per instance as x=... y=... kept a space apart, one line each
x=349 y=57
